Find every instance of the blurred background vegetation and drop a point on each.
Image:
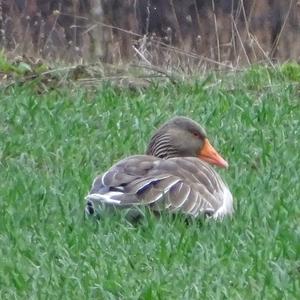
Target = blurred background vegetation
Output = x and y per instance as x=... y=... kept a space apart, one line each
x=189 y=34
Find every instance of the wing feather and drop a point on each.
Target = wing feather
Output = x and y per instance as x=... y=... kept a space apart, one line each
x=181 y=184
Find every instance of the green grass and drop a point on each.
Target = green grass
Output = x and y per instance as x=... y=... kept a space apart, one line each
x=52 y=145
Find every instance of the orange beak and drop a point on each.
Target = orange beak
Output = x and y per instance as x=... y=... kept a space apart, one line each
x=210 y=155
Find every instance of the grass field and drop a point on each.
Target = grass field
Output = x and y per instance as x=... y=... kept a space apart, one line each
x=52 y=145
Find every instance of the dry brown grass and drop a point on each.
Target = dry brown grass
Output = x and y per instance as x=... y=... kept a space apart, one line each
x=190 y=37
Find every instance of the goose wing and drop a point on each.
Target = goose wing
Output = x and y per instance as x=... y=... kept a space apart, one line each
x=178 y=184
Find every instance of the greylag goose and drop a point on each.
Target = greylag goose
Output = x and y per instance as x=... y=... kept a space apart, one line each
x=174 y=175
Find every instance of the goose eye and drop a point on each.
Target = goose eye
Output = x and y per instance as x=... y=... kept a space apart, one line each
x=196 y=134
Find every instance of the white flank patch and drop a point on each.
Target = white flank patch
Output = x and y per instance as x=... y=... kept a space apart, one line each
x=227 y=206
x=106 y=198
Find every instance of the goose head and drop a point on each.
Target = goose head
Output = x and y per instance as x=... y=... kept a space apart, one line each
x=183 y=137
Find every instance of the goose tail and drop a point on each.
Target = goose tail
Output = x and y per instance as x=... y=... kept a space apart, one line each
x=96 y=200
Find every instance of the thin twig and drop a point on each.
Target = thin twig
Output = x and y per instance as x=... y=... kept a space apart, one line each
x=177 y=26
x=141 y=55
x=216 y=29
x=248 y=22
x=241 y=42
x=262 y=50
x=275 y=45
x=157 y=70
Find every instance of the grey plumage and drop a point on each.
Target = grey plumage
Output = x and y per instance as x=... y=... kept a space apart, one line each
x=170 y=177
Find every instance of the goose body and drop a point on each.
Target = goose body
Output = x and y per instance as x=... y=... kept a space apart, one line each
x=174 y=175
